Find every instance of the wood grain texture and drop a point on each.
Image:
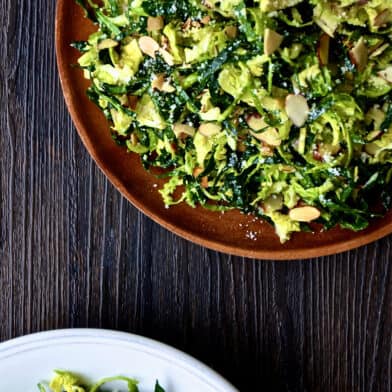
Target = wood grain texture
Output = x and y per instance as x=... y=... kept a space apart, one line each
x=74 y=253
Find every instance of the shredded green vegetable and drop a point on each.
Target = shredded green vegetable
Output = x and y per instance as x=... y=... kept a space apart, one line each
x=65 y=381
x=280 y=108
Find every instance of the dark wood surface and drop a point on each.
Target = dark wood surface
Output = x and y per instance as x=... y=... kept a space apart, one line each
x=74 y=253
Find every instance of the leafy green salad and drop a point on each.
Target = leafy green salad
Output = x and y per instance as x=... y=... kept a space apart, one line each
x=64 y=381
x=278 y=108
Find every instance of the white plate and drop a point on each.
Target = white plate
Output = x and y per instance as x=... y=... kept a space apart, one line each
x=98 y=353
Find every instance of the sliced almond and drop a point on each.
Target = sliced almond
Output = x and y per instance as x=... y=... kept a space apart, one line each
x=386 y=74
x=148 y=46
x=272 y=41
x=231 y=31
x=197 y=171
x=359 y=55
x=158 y=81
x=323 y=49
x=206 y=19
x=183 y=129
x=297 y=109
x=209 y=129
x=154 y=23
x=169 y=59
x=383 y=18
x=304 y=214
x=256 y=122
x=187 y=24
x=107 y=44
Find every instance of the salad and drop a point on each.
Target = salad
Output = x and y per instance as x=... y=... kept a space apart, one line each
x=278 y=108
x=68 y=382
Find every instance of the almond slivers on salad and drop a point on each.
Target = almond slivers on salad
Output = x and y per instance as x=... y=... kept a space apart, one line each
x=278 y=108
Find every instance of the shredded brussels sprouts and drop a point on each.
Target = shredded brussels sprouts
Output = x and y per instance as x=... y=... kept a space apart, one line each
x=64 y=381
x=280 y=108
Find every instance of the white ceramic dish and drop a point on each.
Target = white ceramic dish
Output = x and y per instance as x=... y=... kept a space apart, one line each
x=96 y=354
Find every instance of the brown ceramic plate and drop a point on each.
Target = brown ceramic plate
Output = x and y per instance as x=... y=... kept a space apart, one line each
x=231 y=232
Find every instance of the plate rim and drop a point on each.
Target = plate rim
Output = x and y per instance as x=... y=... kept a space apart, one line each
x=278 y=255
x=179 y=358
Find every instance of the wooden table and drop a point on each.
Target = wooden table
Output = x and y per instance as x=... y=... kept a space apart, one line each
x=74 y=253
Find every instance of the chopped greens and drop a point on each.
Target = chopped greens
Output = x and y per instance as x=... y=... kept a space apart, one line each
x=64 y=381
x=280 y=108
